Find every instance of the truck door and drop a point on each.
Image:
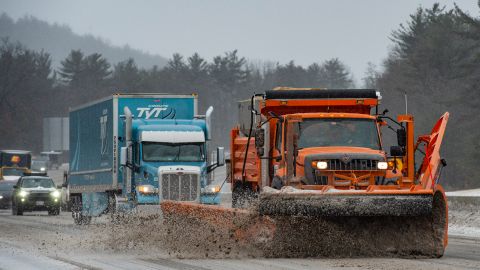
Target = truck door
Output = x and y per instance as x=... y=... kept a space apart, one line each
x=291 y=148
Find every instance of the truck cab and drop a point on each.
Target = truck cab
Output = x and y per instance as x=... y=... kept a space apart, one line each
x=169 y=161
x=316 y=139
x=342 y=150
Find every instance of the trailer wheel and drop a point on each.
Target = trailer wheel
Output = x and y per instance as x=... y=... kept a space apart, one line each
x=76 y=205
x=86 y=220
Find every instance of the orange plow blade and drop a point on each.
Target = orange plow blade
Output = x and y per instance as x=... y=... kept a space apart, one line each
x=259 y=233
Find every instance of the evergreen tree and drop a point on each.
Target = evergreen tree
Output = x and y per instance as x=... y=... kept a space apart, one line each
x=72 y=70
x=126 y=76
x=334 y=74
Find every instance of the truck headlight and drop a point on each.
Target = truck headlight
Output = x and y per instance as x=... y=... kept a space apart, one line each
x=382 y=165
x=211 y=189
x=23 y=193
x=321 y=165
x=146 y=189
x=42 y=169
x=55 y=194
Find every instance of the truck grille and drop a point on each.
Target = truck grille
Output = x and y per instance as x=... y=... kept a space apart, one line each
x=39 y=196
x=353 y=165
x=180 y=187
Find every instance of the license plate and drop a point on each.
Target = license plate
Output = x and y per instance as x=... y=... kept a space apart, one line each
x=40 y=203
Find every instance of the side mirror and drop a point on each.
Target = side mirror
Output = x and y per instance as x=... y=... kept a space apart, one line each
x=220 y=156
x=123 y=156
x=401 y=137
x=60 y=186
x=15 y=186
x=396 y=151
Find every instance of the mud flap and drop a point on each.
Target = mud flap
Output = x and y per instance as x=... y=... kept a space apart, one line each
x=94 y=203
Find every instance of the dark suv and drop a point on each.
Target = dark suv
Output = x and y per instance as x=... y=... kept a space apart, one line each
x=36 y=193
x=6 y=190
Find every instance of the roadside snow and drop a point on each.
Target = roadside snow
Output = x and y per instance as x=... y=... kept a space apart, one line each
x=465 y=193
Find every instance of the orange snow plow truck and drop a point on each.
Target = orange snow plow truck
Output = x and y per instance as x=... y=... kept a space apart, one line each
x=316 y=173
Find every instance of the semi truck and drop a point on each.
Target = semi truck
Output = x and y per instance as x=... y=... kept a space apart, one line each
x=14 y=163
x=315 y=164
x=139 y=149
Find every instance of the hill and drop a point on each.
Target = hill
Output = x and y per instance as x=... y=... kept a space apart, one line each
x=59 y=40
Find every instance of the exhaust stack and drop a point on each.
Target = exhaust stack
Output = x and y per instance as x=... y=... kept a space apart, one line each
x=128 y=144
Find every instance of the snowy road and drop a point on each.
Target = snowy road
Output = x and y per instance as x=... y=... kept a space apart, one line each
x=39 y=241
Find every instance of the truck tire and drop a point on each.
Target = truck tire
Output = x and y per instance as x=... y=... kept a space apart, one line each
x=277 y=183
x=14 y=210
x=54 y=211
x=86 y=220
x=19 y=211
x=78 y=217
x=242 y=195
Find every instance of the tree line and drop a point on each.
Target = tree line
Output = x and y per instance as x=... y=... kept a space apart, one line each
x=435 y=61
x=32 y=89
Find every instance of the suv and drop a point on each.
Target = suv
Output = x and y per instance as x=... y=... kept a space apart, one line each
x=36 y=193
x=6 y=190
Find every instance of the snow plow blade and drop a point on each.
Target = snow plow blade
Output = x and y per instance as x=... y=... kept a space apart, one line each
x=201 y=230
x=268 y=230
x=333 y=205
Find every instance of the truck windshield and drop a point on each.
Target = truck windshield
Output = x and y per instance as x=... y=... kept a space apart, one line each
x=338 y=132
x=13 y=172
x=155 y=151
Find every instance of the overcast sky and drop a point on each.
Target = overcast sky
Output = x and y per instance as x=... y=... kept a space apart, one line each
x=304 y=31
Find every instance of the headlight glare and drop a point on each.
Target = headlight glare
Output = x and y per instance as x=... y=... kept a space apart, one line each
x=23 y=193
x=322 y=165
x=55 y=194
x=211 y=189
x=382 y=165
x=146 y=189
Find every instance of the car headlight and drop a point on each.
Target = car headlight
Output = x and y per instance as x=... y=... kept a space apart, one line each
x=146 y=189
x=23 y=193
x=321 y=165
x=382 y=165
x=55 y=194
x=1 y=197
x=211 y=189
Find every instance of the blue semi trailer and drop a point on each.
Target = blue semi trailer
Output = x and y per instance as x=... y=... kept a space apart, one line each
x=134 y=149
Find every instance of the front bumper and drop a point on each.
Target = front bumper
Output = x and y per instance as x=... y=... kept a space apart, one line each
x=210 y=198
x=205 y=198
x=38 y=203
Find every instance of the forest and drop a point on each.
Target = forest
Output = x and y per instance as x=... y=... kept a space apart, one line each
x=434 y=61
